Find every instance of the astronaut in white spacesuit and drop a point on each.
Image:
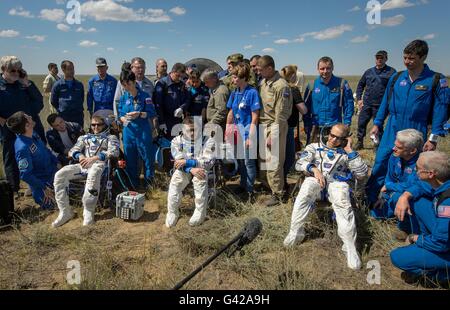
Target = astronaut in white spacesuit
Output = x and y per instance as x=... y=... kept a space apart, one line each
x=330 y=166
x=194 y=158
x=92 y=151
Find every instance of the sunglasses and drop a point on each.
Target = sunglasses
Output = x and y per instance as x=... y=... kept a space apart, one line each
x=97 y=125
x=14 y=71
x=337 y=137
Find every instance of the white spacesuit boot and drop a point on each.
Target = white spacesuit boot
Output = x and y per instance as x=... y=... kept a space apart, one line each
x=178 y=183
x=339 y=195
x=201 y=202
x=61 y=184
x=91 y=192
x=309 y=193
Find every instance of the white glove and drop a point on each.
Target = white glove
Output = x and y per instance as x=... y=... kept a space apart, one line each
x=163 y=128
x=178 y=113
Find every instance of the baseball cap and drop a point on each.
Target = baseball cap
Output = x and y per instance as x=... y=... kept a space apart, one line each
x=101 y=62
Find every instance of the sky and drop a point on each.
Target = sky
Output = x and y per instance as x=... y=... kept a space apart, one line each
x=293 y=32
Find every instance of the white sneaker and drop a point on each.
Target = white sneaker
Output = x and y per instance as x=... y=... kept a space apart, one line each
x=171 y=219
x=293 y=238
x=353 y=260
x=63 y=217
x=197 y=218
x=88 y=217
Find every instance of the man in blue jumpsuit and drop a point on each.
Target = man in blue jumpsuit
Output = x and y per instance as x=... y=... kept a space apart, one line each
x=428 y=256
x=102 y=88
x=171 y=99
x=400 y=176
x=199 y=95
x=413 y=103
x=68 y=95
x=137 y=136
x=373 y=84
x=37 y=165
x=16 y=94
x=329 y=102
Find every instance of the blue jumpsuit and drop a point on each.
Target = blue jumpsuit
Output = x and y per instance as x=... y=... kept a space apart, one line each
x=430 y=255
x=373 y=84
x=400 y=176
x=324 y=103
x=409 y=107
x=137 y=135
x=169 y=96
x=100 y=94
x=37 y=165
x=68 y=98
x=199 y=99
x=15 y=97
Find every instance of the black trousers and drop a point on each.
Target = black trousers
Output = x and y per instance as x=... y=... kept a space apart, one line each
x=367 y=113
x=9 y=158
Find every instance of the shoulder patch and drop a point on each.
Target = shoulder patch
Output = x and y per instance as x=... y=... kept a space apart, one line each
x=148 y=100
x=286 y=92
x=444 y=83
x=33 y=148
x=23 y=164
x=444 y=211
x=346 y=86
x=404 y=83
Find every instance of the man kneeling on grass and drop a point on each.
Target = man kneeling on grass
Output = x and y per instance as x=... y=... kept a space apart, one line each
x=428 y=255
x=91 y=151
x=194 y=158
x=330 y=166
x=400 y=177
x=37 y=165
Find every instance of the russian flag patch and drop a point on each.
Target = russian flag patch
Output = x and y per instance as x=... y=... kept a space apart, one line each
x=444 y=83
x=444 y=211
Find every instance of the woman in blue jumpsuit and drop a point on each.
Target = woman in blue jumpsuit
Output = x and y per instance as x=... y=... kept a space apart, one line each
x=135 y=108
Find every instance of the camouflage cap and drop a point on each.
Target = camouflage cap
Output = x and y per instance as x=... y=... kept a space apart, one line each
x=236 y=58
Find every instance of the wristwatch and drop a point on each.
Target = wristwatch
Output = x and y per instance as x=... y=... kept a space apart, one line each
x=433 y=138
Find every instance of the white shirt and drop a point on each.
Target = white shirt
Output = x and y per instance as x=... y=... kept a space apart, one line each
x=66 y=140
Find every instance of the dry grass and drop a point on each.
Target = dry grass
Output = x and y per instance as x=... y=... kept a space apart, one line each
x=145 y=255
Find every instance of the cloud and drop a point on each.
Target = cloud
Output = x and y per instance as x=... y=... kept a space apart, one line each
x=396 y=4
x=81 y=29
x=63 y=27
x=140 y=47
x=110 y=49
x=268 y=50
x=55 y=15
x=282 y=41
x=430 y=36
x=108 y=10
x=248 y=47
x=355 y=9
x=9 y=33
x=20 y=11
x=36 y=38
x=393 y=21
x=87 y=43
x=264 y=33
x=299 y=40
x=329 y=33
x=360 y=39
x=178 y=11
x=153 y=48
x=65 y=52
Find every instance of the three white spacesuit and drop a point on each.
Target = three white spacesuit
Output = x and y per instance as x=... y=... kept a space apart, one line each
x=103 y=145
x=200 y=154
x=337 y=168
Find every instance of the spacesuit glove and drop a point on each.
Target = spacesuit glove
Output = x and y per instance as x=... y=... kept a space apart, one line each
x=178 y=113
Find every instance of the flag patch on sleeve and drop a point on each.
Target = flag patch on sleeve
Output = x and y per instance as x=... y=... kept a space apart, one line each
x=444 y=211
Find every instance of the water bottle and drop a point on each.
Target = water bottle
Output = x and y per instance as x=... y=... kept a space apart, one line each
x=375 y=140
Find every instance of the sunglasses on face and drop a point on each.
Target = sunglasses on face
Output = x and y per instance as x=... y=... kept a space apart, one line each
x=97 y=125
x=14 y=71
x=337 y=137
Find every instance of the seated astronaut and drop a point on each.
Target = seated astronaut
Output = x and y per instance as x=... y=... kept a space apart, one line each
x=91 y=151
x=194 y=158
x=330 y=166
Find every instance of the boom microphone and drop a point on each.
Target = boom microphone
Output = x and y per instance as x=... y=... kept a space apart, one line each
x=250 y=231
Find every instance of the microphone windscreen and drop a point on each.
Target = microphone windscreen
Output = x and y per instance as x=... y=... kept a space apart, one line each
x=251 y=230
